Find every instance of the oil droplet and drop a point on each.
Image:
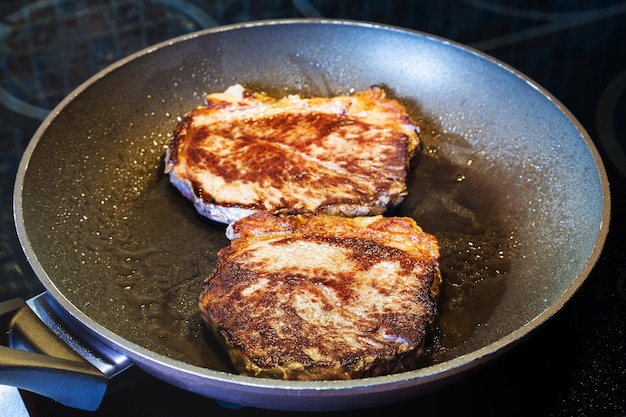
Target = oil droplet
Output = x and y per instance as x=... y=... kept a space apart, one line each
x=460 y=177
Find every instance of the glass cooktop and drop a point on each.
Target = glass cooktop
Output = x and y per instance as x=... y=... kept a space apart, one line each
x=574 y=365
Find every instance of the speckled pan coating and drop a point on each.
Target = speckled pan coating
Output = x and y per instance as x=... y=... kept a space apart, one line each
x=124 y=254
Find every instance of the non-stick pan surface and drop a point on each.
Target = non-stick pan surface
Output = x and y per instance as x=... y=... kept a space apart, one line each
x=509 y=182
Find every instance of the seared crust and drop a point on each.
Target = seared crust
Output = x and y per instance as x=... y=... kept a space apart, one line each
x=323 y=297
x=246 y=152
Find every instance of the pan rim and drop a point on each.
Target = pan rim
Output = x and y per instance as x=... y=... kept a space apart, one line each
x=429 y=373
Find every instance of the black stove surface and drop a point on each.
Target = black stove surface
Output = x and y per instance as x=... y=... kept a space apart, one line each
x=575 y=365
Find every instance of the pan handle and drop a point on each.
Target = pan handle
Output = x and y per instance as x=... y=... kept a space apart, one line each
x=39 y=360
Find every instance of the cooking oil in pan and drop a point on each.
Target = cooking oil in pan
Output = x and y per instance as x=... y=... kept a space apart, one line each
x=450 y=198
x=142 y=273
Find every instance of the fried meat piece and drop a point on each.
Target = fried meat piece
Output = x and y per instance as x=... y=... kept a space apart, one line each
x=320 y=297
x=246 y=152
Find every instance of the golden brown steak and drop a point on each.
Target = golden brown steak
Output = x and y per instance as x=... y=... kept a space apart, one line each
x=323 y=297
x=246 y=152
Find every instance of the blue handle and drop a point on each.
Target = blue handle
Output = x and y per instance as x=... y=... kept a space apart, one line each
x=49 y=367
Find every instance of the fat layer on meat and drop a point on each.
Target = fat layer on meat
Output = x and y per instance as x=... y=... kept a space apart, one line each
x=245 y=152
x=312 y=297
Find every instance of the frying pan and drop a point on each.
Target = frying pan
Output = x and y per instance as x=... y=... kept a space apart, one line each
x=508 y=180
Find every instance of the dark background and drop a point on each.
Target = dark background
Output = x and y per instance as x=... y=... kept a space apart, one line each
x=575 y=365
